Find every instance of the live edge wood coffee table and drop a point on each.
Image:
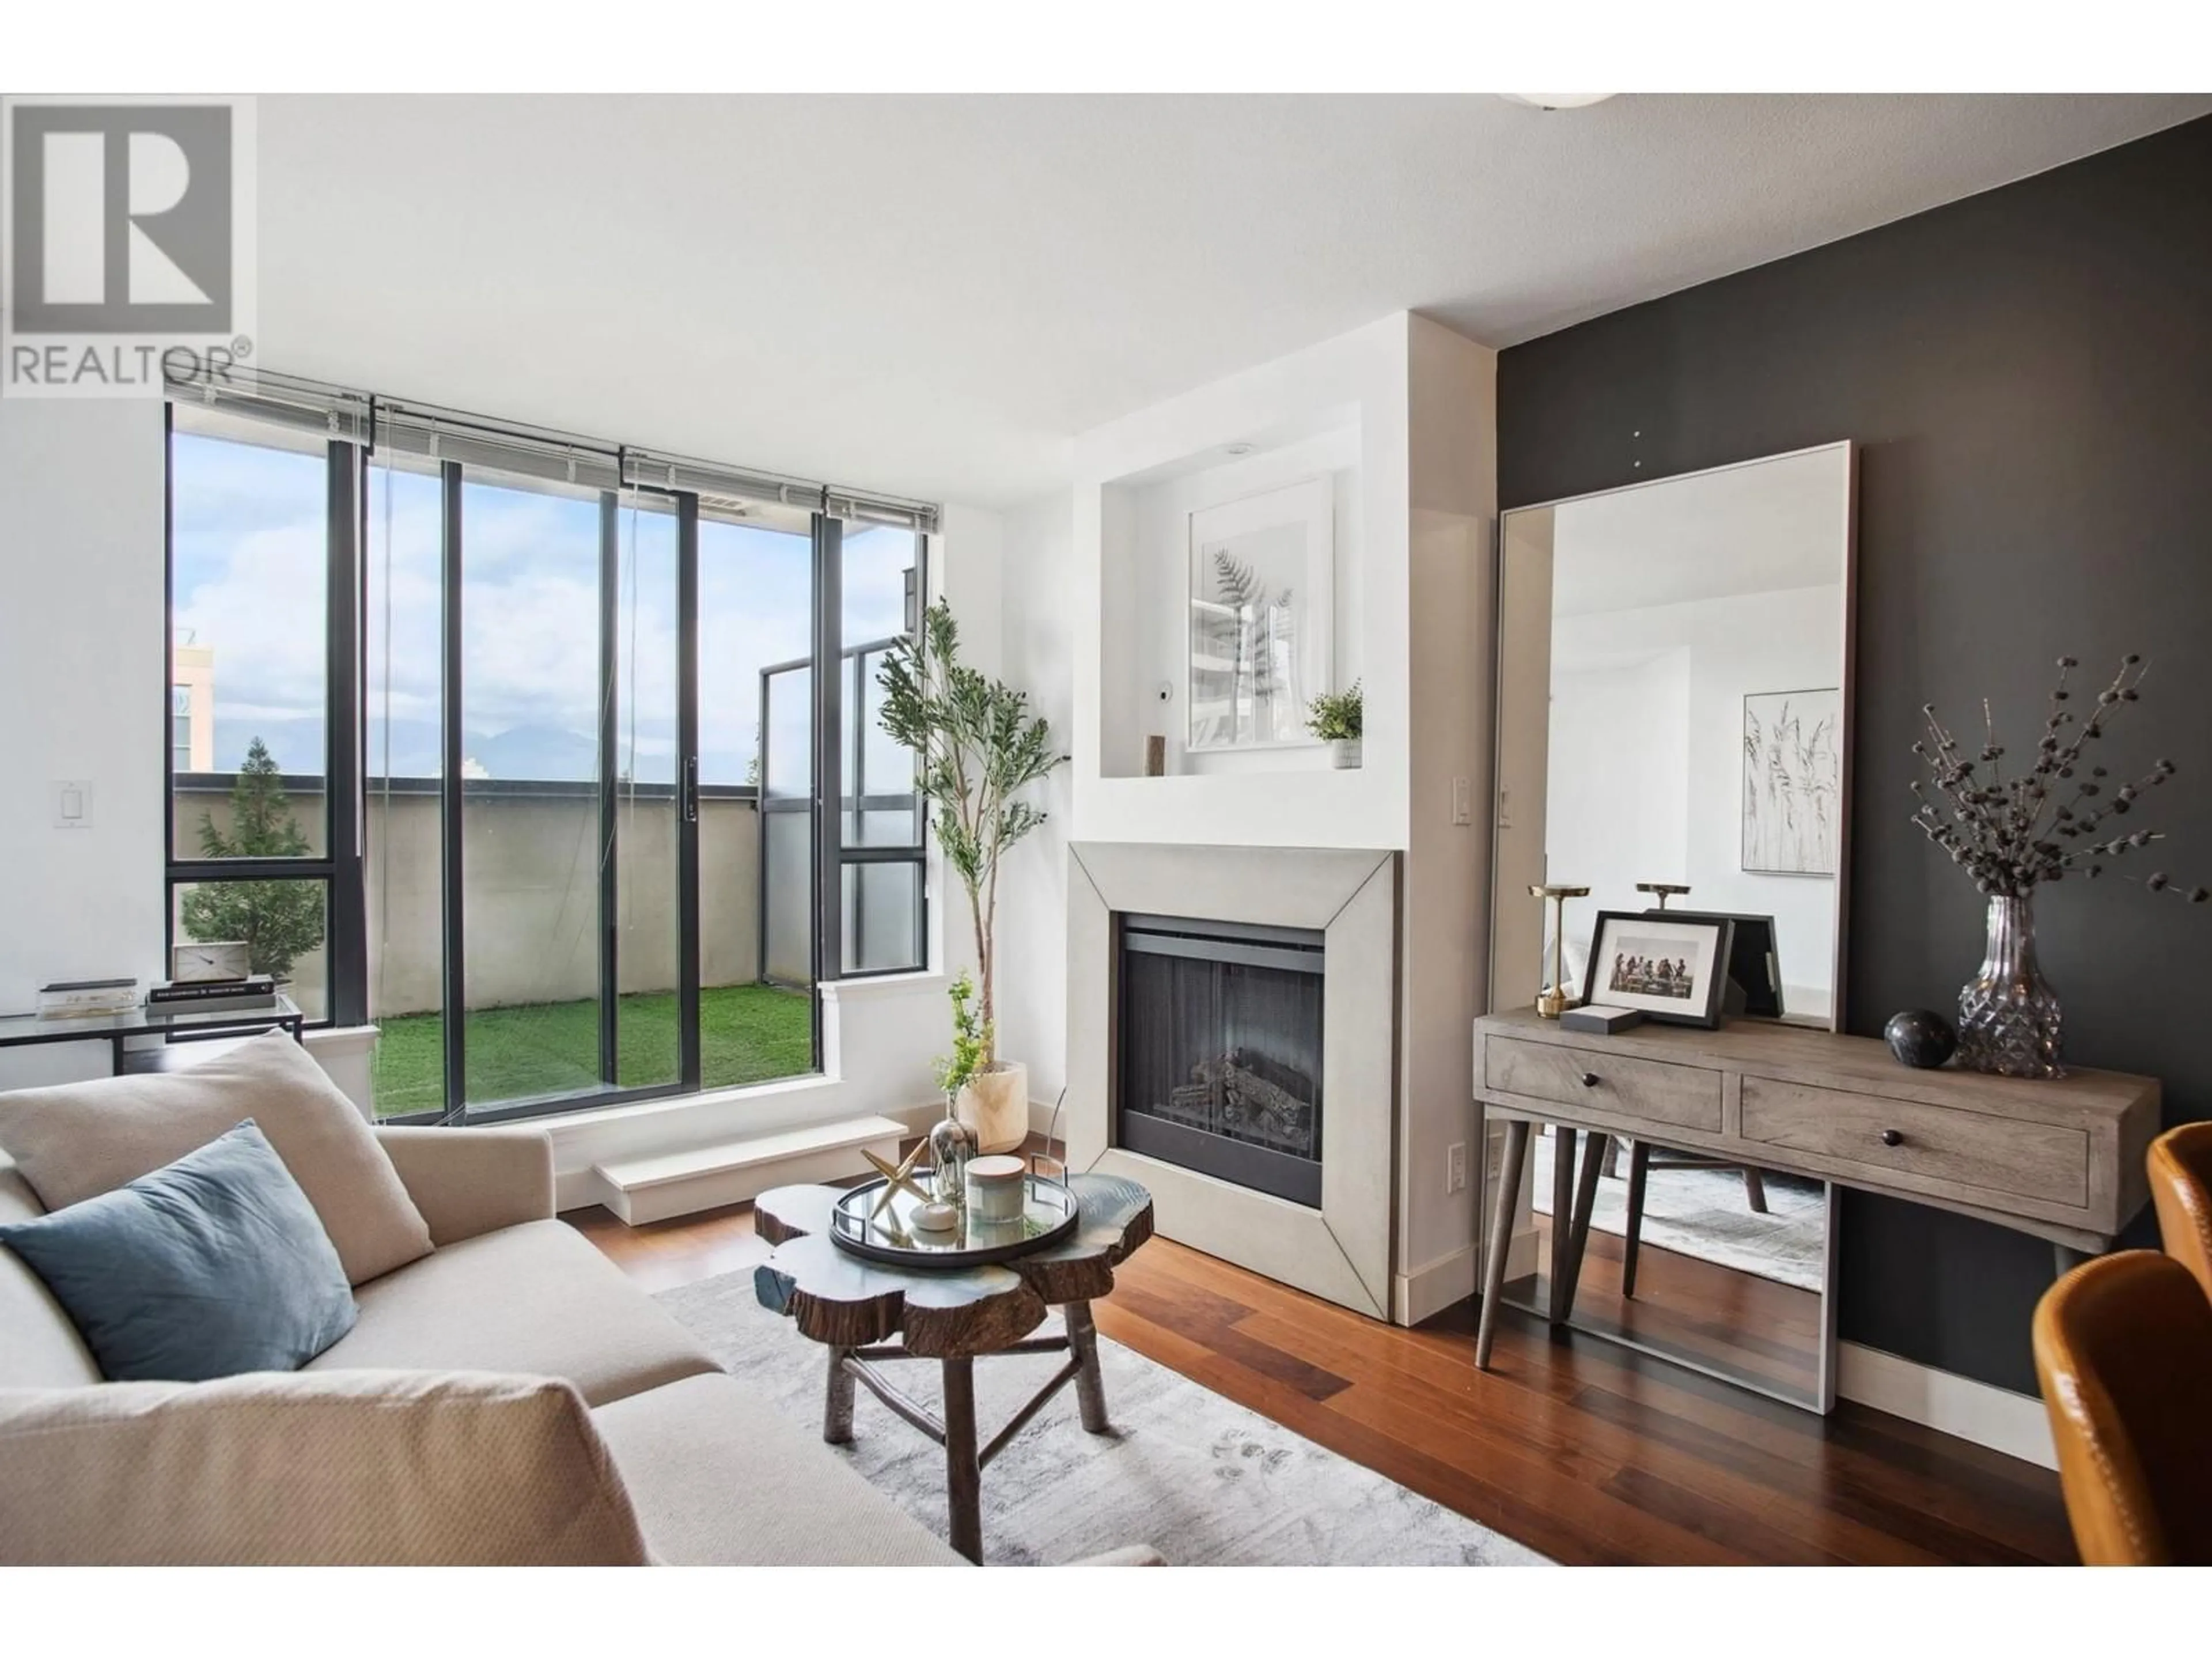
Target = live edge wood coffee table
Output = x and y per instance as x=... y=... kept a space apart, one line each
x=856 y=1307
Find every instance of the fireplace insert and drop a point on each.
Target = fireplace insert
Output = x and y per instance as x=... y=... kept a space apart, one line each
x=1218 y=1045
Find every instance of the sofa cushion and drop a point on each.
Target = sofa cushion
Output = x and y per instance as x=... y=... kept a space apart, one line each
x=719 y=1477
x=76 y=1140
x=536 y=1298
x=350 y=1468
x=40 y=1348
x=208 y=1266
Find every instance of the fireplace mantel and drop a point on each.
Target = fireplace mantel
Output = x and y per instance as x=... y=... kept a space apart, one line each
x=1341 y=1250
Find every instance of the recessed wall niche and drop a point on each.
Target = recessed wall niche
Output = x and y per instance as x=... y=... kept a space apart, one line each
x=1283 y=490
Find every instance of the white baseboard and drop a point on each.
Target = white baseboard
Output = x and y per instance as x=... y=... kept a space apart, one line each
x=1434 y=1286
x=2014 y=1424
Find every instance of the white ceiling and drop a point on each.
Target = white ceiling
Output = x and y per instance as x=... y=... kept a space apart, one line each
x=932 y=295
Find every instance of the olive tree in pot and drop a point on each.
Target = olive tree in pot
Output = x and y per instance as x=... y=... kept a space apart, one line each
x=976 y=749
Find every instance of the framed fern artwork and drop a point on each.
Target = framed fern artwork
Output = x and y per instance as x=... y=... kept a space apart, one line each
x=1262 y=577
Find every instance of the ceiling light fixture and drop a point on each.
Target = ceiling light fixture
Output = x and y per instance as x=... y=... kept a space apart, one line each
x=1236 y=449
x=1556 y=100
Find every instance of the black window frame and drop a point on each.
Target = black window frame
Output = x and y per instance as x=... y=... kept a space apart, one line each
x=339 y=866
x=342 y=867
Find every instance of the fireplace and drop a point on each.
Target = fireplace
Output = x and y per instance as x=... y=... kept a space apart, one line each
x=1218 y=1050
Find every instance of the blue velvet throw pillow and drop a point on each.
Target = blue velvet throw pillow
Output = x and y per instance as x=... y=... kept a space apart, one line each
x=212 y=1266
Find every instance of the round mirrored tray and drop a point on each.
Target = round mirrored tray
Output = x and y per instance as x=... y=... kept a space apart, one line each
x=880 y=1228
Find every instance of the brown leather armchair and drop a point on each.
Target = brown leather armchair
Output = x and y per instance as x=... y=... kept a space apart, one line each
x=2124 y=1353
x=2181 y=1187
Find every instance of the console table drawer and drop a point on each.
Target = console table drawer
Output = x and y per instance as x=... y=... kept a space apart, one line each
x=1944 y=1144
x=1687 y=1095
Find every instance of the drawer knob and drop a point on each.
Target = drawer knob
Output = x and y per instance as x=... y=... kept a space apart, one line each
x=1893 y=1138
x=1590 y=1079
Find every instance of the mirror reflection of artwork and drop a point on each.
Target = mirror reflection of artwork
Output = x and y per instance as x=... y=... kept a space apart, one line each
x=1792 y=782
x=1262 y=571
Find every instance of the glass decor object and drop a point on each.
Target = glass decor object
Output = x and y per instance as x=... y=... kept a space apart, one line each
x=2047 y=817
x=2008 y=1014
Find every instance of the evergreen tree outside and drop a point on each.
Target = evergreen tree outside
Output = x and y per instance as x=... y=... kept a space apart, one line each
x=280 y=922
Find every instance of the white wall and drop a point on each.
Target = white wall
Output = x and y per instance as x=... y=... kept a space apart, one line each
x=1154 y=564
x=1359 y=381
x=1037 y=626
x=1450 y=602
x=81 y=696
x=1724 y=648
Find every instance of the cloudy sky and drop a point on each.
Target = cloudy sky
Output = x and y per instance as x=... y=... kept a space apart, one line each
x=249 y=584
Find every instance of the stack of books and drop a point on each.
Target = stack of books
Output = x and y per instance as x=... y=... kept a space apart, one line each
x=213 y=995
x=87 y=999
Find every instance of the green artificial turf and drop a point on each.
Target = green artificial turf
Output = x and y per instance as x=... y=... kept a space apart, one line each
x=747 y=1034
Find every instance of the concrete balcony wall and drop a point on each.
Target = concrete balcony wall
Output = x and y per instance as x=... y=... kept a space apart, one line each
x=532 y=892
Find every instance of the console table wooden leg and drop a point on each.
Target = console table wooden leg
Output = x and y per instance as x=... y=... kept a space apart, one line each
x=1501 y=1236
x=2066 y=1258
x=963 y=1476
x=1640 y=1175
x=1090 y=1386
x=837 y=1402
x=1585 y=1201
x=1563 y=1219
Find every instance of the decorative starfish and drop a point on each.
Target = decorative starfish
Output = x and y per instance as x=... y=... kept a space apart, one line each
x=897 y=1177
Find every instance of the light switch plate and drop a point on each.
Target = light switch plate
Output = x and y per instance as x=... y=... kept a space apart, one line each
x=1462 y=801
x=73 y=803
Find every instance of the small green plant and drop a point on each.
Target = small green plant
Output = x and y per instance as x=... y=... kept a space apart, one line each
x=971 y=1041
x=1335 y=716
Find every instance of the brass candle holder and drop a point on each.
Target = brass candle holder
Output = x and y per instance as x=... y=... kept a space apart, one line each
x=1551 y=1001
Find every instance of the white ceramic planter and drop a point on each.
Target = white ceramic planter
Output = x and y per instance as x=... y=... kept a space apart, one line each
x=996 y=1105
x=1344 y=754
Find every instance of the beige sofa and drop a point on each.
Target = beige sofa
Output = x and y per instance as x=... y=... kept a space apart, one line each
x=508 y=1398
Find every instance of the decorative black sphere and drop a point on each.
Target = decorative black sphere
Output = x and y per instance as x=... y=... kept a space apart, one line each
x=1920 y=1038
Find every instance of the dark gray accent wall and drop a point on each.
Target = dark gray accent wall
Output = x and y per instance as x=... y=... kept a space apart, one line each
x=2030 y=373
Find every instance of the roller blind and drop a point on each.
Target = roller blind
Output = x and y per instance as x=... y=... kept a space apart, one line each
x=281 y=400
x=450 y=435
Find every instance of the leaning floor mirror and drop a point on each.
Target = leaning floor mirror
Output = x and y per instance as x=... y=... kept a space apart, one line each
x=1674 y=734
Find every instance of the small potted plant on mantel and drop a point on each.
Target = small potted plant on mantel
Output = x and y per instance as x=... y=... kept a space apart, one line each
x=1336 y=717
x=976 y=749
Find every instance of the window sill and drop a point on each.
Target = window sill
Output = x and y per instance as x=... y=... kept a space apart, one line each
x=876 y=987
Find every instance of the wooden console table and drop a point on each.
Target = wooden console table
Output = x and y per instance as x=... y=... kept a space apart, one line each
x=2061 y=1160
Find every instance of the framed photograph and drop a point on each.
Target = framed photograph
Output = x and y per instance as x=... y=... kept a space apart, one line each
x=1262 y=576
x=1793 y=782
x=1666 y=966
x=1754 y=962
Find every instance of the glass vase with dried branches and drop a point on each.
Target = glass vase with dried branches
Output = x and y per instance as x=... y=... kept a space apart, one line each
x=2054 y=817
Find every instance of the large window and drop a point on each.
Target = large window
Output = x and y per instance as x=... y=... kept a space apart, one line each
x=512 y=747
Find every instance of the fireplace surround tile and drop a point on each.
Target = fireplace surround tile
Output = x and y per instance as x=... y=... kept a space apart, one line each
x=1342 y=1250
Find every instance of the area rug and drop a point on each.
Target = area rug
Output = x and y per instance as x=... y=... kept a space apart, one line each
x=1702 y=1213
x=1199 y=1478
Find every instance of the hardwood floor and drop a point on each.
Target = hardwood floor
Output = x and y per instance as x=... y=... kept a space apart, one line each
x=1588 y=1452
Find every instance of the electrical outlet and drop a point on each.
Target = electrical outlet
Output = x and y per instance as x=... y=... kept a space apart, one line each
x=1455 y=1167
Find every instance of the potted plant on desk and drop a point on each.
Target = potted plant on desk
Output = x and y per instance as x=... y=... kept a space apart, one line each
x=976 y=749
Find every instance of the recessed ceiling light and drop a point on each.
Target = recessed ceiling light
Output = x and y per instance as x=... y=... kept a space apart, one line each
x=1236 y=449
x=1556 y=100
